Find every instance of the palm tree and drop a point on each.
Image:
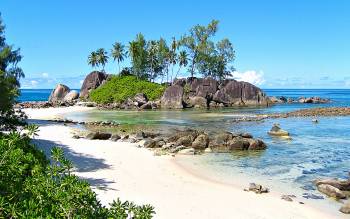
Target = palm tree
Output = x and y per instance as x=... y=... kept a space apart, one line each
x=183 y=61
x=92 y=59
x=118 y=53
x=102 y=57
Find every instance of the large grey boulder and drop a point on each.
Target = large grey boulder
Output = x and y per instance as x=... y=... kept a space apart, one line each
x=202 y=87
x=72 y=95
x=232 y=92
x=172 y=97
x=58 y=94
x=91 y=82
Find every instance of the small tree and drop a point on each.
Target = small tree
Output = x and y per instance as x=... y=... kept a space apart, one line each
x=138 y=56
x=197 y=43
x=102 y=57
x=182 y=60
x=10 y=75
x=118 y=53
x=93 y=59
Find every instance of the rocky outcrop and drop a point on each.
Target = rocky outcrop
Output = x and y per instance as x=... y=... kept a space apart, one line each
x=92 y=81
x=282 y=99
x=207 y=92
x=72 y=95
x=59 y=93
x=172 y=97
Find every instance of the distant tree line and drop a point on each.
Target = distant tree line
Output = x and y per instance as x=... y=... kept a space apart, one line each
x=156 y=59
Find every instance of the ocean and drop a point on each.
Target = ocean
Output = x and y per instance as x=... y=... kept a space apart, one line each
x=317 y=150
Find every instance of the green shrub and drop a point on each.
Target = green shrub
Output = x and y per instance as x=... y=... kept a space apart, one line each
x=119 y=88
x=31 y=187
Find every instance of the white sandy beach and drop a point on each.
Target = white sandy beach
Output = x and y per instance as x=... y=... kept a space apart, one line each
x=119 y=169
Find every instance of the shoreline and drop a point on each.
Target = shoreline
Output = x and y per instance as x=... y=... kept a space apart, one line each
x=174 y=191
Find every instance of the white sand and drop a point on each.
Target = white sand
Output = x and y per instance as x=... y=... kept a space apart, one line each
x=122 y=170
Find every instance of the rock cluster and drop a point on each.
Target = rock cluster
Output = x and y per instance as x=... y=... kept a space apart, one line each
x=282 y=99
x=192 y=141
x=335 y=188
x=62 y=95
x=209 y=93
x=189 y=141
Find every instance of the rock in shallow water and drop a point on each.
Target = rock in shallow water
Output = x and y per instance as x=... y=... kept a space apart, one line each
x=331 y=191
x=277 y=131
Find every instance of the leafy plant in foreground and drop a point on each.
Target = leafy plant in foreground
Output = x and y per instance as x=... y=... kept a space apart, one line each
x=31 y=187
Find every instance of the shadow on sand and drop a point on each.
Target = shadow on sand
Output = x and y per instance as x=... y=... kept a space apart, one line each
x=82 y=162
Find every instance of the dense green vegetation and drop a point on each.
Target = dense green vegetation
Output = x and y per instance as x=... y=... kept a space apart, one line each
x=157 y=60
x=32 y=186
x=10 y=74
x=119 y=88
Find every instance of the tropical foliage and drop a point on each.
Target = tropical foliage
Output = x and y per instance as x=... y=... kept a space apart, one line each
x=157 y=60
x=32 y=187
x=120 y=88
x=10 y=75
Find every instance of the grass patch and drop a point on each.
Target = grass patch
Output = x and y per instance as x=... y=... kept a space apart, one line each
x=119 y=88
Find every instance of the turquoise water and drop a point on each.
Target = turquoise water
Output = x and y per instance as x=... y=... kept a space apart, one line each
x=315 y=151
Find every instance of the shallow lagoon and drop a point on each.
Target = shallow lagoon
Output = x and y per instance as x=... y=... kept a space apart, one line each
x=316 y=150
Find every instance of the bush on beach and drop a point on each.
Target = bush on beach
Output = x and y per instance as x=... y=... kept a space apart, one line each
x=120 y=88
x=33 y=187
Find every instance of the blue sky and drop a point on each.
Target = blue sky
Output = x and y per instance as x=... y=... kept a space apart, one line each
x=279 y=44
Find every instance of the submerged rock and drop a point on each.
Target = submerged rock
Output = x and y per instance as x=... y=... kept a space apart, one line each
x=277 y=131
x=187 y=151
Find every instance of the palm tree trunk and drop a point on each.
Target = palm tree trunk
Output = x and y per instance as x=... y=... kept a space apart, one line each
x=118 y=68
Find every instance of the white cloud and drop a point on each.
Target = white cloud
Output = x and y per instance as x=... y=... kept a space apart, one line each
x=45 y=75
x=253 y=77
x=33 y=83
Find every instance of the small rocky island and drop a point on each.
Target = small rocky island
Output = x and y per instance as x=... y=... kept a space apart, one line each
x=182 y=93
